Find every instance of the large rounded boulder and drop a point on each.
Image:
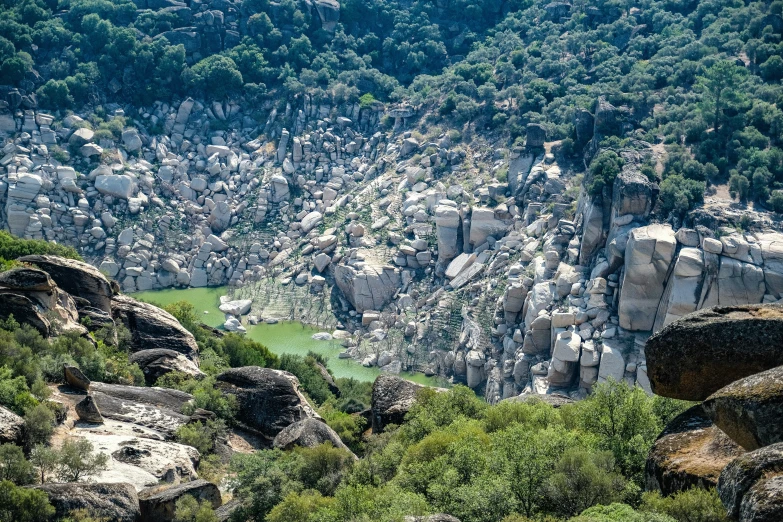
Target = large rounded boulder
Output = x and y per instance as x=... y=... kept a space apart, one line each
x=392 y=398
x=751 y=486
x=307 y=433
x=152 y=327
x=77 y=278
x=697 y=355
x=690 y=452
x=750 y=410
x=269 y=400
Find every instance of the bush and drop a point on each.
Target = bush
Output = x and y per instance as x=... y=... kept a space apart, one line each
x=188 y=509
x=205 y=395
x=38 y=425
x=12 y=247
x=202 y=436
x=18 y=504
x=692 y=505
x=309 y=374
x=603 y=170
x=14 y=467
x=679 y=194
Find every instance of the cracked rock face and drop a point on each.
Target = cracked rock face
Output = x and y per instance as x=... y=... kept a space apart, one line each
x=76 y=278
x=750 y=486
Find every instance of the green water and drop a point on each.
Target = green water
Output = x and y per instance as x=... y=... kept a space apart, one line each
x=283 y=337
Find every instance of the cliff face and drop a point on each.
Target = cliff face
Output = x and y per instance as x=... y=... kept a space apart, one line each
x=490 y=265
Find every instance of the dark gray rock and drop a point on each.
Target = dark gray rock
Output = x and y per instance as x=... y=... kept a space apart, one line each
x=740 y=486
x=88 y=411
x=76 y=278
x=764 y=502
x=536 y=135
x=27 y=280
x=225 y=512
x=152 y=327
x=328 y=12
x=158 y=505
x=690 y=452
x=155 y=408
x=750 y=410
x=269 y=400
x=158 y=362
x=583 y=126
x=94 y=319
x=307 y=433
x=392 y=397
x=24 y=310
x=11 y=427
x=702 y=352
x=117 y=502
x=74 y=377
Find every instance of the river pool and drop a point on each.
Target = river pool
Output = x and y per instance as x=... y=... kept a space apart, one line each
x=283 y=337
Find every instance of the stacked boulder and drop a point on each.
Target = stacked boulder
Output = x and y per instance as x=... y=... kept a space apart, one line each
x=729 y=358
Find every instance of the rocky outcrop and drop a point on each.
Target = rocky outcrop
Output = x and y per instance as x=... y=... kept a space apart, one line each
x=116 y=502
x=25 y=311
x=690 y=452
x=750 y=409
x=88 y=411
x=367 y=286
x=307 y=433
x=11 y=427
x=751 y=486
x=392 y=398
x=74 y=377
x=157 y=362
x=77 y=278
x=156 y=408
x=159 y=504
x=648 y=255
x=699 y=354
x=269 y=400
x=153 y=328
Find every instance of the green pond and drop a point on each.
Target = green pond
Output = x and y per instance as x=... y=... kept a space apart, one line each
x=283 y=337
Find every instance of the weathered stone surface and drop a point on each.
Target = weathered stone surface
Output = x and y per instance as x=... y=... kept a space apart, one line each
x=152 y=327
x=307 y=433
x=697 y=355
x=159 y=504
x=117 y=502
x=328 y=12
x=74 y=377
x=750 y=410
x=25 y=311
x=156 y=408
x=742 y=485
x=11 y=427
x=77 y=278
x=269 y=400
x=117 y=185
x=157 y=362
x=370 y=288
x=88 y=411
x=26 y=280
x=690 y=452
x=648 y=254
x=392 y=397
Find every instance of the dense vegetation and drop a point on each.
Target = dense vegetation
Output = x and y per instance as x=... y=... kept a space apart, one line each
x=703 y=76
x=12 y=248
x=515 y=462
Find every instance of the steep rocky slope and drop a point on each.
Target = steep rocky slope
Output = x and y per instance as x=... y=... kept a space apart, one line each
x=491 y=265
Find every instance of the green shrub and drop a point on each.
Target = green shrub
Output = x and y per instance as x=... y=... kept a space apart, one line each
x=18 y=504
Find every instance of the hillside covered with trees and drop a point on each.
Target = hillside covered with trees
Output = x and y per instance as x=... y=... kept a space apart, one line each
x=702 y=77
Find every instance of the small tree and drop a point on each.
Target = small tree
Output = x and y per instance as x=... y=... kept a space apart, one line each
x=13 y=465
x=77 y=460
x=45 y=460
x=38 y=425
